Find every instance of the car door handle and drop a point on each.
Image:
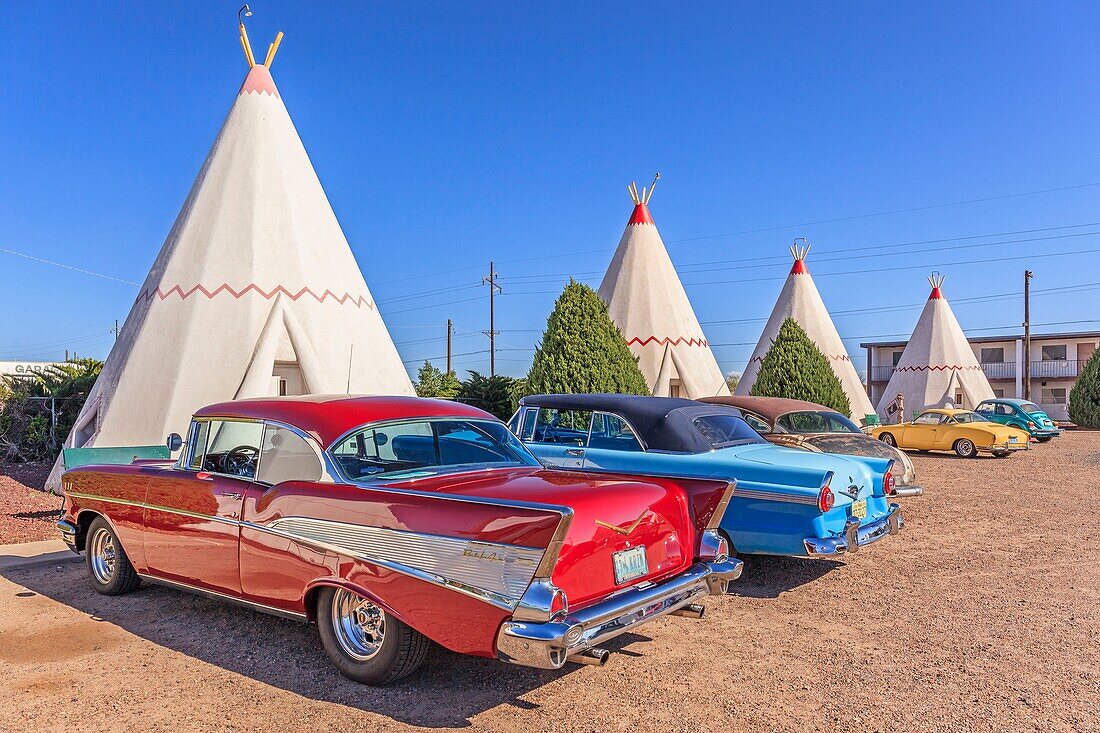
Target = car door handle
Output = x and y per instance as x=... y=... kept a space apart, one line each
x=231 y=495
x=577 y=452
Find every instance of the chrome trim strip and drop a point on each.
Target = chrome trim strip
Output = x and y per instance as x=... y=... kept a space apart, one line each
x=215 y=595
x=480 y=594
x=723 y=504
x=154 y=507
x=764 y=495
x=501 y=571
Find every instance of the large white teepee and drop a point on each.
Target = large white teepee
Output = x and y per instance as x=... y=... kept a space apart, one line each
x=938 y=365
x=254 y=293
x=646 y=300
x=800 y=300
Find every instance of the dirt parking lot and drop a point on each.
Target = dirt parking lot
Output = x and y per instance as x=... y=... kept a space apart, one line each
x=981 y=616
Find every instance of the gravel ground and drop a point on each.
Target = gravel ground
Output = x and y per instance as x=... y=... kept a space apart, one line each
x=26 y=513
x=981 y=616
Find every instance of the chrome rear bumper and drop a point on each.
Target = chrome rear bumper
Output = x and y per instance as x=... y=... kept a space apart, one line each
x=855 y=535
x=69 y=532
x=548 y=645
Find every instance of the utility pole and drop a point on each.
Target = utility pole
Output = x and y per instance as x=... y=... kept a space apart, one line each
x=450 y=330
x=494 y=288
x=1028 y=274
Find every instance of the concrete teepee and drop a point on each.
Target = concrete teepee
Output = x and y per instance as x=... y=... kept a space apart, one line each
x=938 y=366
x=254 y=293
x=647 y=301
x=800 y=300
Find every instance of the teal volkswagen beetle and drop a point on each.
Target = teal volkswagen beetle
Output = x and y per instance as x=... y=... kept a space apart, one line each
x=1020 y=414
x=786 y=501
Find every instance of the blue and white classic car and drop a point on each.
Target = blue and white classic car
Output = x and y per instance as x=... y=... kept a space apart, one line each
x=786 y=501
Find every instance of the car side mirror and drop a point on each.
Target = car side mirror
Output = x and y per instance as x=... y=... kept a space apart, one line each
x=174 y=442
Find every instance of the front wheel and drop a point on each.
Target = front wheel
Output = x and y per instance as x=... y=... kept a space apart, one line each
x=365 y=643
x=1045 y=438
x=1001 y=453
x=888 y=439
x=965 y=448
x=109 y=568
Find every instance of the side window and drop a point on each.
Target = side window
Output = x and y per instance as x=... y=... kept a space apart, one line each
x=610 y=432
x=986 y=408
x=525 y=429
x=1005 y=410
x=928 y=418
x=286 y=456
x=200 y=431
x=565 y=427
x=758 y=423
x=233 y=447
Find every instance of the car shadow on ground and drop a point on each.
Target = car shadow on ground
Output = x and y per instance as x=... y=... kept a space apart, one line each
x=445 y=692
x=766 y=576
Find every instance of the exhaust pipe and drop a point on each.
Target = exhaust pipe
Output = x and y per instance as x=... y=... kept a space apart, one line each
x=691 y=610
x=595 y=656
x=906 y=491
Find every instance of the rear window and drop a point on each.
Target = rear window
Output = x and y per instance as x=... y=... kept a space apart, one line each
x=725 y=430
x=1030 y=407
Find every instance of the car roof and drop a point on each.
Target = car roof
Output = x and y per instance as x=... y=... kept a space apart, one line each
x=328 y=417
x=769 y=408
x=663 y=423
x=946 y=410
x=1010 y=400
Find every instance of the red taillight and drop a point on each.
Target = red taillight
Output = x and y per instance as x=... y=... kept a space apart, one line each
x=825 y=499
x=1031 y=425
x=888 y=483
x=559 y=604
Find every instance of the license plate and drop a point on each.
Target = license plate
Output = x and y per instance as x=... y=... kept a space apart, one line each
x=859 y=509
x=630 y=564
x=1012 y=439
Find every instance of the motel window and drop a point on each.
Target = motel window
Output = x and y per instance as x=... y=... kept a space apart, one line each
x=1054 y=395
x=993 y=356
x=1054 y=352
x=896 y=356
x=998 y=393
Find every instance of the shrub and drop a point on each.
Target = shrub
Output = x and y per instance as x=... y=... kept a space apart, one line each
x=1084 y=398
x=795 y=368
x=496 y=395
x=38 y=410
x=431 y=382
x=582 y=350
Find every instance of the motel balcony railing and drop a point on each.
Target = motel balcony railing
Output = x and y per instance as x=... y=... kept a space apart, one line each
x=1044 y=369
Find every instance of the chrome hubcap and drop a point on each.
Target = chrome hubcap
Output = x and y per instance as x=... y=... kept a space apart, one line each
x=101 y=554
x=360 y=626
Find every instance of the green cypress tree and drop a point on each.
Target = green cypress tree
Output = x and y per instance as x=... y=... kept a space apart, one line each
x=795 y=368
x=495 y=395
x=1084 y=398
x=582 y=350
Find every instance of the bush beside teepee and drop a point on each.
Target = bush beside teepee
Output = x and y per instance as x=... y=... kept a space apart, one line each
x=1084 y=398
x=582 y=350
x=795 y=368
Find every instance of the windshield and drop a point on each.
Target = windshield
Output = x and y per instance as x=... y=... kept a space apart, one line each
x=968 y=417
x=815 y=422
x=1030 y=407
x=725 y=430
x=415 y=448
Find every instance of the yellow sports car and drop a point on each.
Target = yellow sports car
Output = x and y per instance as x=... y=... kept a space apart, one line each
x=965 y=432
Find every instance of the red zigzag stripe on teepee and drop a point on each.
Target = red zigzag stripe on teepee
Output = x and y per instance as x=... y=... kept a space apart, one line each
x=939 y=368
x=842 y=357
x=673 y=341
x=357 y=301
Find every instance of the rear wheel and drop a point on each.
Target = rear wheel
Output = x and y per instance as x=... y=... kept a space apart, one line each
x=1045 y=438
x=1001 y=454
x=888 y=439
x=109 y=568
x=965 y=448
x=365 y=643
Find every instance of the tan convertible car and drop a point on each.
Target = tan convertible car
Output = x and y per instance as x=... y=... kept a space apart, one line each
x=962 y=431
x=817 y=428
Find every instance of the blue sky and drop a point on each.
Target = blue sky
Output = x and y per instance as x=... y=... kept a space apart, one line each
x=449 y=134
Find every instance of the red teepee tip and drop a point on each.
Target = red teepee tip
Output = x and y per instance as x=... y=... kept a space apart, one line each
x=799 y=268
x=258 y=81
x=936 y=294
x=640 y=215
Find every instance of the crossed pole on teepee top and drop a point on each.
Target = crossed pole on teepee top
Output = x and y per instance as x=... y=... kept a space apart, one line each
x=936 y=279
x=646 y=193
x=272 y=48
x=800 y=252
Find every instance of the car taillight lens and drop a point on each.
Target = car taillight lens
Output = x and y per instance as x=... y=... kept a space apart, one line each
x=723 y=552
x=559 y=604
x=888 y=483
x=825 y=499
x=1031 y=425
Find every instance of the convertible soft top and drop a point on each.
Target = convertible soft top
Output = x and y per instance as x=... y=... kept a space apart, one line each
x=663 y=423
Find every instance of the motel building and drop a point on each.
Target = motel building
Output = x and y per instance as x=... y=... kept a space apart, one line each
x=24 y=368
x=1055 y=361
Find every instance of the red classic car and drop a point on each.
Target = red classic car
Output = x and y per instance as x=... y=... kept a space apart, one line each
x=391 y=521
